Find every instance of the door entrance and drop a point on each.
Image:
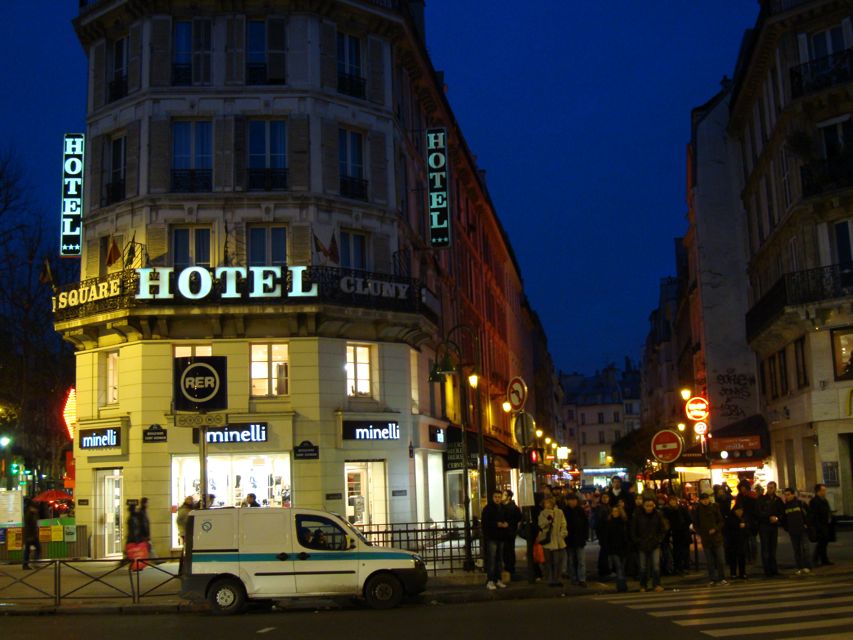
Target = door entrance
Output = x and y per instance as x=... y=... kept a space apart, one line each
x=367 y=500
x=108 y=513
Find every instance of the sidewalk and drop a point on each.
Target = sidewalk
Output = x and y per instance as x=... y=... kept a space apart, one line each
x=447 y=588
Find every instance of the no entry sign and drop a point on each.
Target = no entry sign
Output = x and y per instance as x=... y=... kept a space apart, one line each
x=696 y=409
x=666 y=446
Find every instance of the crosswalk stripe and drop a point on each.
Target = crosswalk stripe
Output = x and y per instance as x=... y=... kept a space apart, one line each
x=762 y=587
x=777 y=628
x=844 y=635
x=751 y=607
x=721 y=599
x=769 y=615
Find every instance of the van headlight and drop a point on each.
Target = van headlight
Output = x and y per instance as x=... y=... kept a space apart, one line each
x=419 y=562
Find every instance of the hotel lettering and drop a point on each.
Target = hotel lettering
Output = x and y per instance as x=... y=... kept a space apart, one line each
x=71 y=234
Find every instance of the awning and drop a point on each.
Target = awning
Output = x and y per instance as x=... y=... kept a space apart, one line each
x=747 y=438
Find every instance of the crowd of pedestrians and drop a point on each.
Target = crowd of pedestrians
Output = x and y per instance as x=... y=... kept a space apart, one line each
x=645 y=536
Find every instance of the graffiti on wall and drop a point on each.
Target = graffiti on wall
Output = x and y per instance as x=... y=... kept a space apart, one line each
x=735 y=391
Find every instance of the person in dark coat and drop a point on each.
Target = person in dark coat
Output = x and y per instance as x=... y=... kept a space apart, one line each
x=494 y=525
x=723 y=498
x=747 y=500
x=736 y=536
x=708 y=522
x=770 y=510
x=614 y=538
x=648 y=529
x=680 y=536
x=820 y=517
x=513 y=516
x=796 y=524
x=134 y=525
x=600 y=515
x=31 y=533
x=578 y=525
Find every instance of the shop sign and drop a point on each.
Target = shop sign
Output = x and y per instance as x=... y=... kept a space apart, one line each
x=334 y=496
x=236 y=433
x=438 y=188
x=83 y=502
x=197 y=283
x=89 y=291
x=71 y=234
x=375 y=288
x=399 y=493
x=367 y=430
x=737 y=443
x=154 y=433
x=109 y=438
x=305 y=450
x=437 y=434
x=454 y=458
x=201 y=383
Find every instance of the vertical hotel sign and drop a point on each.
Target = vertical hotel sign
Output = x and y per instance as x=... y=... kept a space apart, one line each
x=73 y=156
x=439 y=188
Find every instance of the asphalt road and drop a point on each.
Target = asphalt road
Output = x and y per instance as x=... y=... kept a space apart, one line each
x=802 y=608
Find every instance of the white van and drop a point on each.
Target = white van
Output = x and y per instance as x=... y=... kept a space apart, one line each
x=235 y=555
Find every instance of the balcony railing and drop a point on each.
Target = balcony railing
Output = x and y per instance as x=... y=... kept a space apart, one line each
x=192 y=180
x=258 y=73
x=267 y=179
x=354 y=188
x=820 y=176
x=798 y=288
x=117 y=88
x=182 y=74
x=820 y=74
x=113 y=192
x=351 y=85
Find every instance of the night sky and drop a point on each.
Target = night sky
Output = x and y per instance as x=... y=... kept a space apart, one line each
x=578 y=110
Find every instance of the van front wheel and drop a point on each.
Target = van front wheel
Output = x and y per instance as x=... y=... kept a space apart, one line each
x=226 y=596
x=383 y=591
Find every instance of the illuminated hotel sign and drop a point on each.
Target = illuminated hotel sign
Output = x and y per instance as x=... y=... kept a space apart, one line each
x=438 y=188
x=109 y=438
x=71 y=234
x=235 y=433
x=367 y=430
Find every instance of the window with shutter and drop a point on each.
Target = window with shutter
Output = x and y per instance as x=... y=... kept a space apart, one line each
x=267 y=170
x=351 y=79
x=192 y=156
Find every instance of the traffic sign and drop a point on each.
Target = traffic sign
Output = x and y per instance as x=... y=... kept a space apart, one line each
x=200 y=383
x=516 y=393
x=667 y=446
x=700 y=428
x=524 y=428
x=697 y=409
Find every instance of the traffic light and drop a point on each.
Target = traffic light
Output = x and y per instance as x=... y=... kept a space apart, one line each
x=535 y=456
x=14 y=469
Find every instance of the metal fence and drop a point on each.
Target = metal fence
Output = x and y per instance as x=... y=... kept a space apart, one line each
x=62 y=581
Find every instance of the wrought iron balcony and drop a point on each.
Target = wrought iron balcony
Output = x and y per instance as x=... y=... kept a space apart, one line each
x=182 y=74
x=820 y=74
x=117 y=88
x=267 y=179
x=351 y=85
x=258 y=73
x=192 y=180
x=830 y=174
x=354 y=188
x=798 y=288
x=113 y=192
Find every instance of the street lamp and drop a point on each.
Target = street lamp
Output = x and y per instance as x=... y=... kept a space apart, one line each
x=5 y=441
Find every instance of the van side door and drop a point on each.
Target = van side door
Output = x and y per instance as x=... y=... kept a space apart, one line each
x=266 y=552
x=323 y=561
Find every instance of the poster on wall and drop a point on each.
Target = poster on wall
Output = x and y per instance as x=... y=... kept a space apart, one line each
x=14 y=539
x=45 y=534
x=56 y=532
x=11 y=507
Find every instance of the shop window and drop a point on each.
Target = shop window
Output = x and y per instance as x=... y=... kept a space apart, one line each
x=193 y=350
x=270 y=368
x=268 y=245
x=358 y=370
x=842 y=353
x=109 y=378
x=317 y=532
x=800 y=363
x=190 y=247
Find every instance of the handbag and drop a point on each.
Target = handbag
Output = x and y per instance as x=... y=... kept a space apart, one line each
x=137 y=553
x=545 y=537
x=538 y=553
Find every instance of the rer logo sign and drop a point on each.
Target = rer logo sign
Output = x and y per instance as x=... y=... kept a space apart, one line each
x=666 y=446
x=438 y=189
x=200 y=383
x=73 y=156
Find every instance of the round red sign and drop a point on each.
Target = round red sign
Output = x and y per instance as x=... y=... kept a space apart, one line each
x=696 y=409
x=666 y=446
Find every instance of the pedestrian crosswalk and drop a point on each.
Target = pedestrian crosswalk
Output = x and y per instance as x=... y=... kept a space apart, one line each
x=818 y=608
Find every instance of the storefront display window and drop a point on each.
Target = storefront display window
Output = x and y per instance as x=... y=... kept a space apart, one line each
x=366 y=499
x=231 y=478
x=842 y=353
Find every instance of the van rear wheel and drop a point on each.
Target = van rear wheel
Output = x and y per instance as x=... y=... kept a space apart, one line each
x=226 y=597
x=383 y=591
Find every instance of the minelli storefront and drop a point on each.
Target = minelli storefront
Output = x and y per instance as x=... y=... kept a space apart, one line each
x=324 y=380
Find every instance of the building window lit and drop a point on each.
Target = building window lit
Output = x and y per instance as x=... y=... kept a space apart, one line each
x=109 y=376
x=358 y=370
x=842 y=353
x=270 y=369
x=193 y=350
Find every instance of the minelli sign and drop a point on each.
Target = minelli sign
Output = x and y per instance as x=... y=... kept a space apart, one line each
x=71 y=234
x=365 y=430
x=438 y=188
x=109 y=438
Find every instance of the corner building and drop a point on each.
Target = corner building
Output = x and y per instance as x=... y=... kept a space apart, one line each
x=256 y=189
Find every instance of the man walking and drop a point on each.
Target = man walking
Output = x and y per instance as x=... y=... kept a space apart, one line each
x=821 y=519
x=708 y=522
x=770 y=512
x=796 y=524
x=495 y=526
x=578 y=526
x=647 y=531
x=513 y=516
x=31 y=533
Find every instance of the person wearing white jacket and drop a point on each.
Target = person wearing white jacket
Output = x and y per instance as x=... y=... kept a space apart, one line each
x=552 y=537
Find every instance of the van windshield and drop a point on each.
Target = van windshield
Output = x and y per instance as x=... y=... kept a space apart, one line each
x=355 y=531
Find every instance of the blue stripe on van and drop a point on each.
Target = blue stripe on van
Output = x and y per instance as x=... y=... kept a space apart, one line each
x=322 y=555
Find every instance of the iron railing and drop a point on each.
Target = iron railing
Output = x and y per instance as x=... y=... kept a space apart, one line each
x=192 y=180
x=352 y=187
x=267 y=179
x=799 y=287
x=820 y=74
x=820 y=176
x=351 y=85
